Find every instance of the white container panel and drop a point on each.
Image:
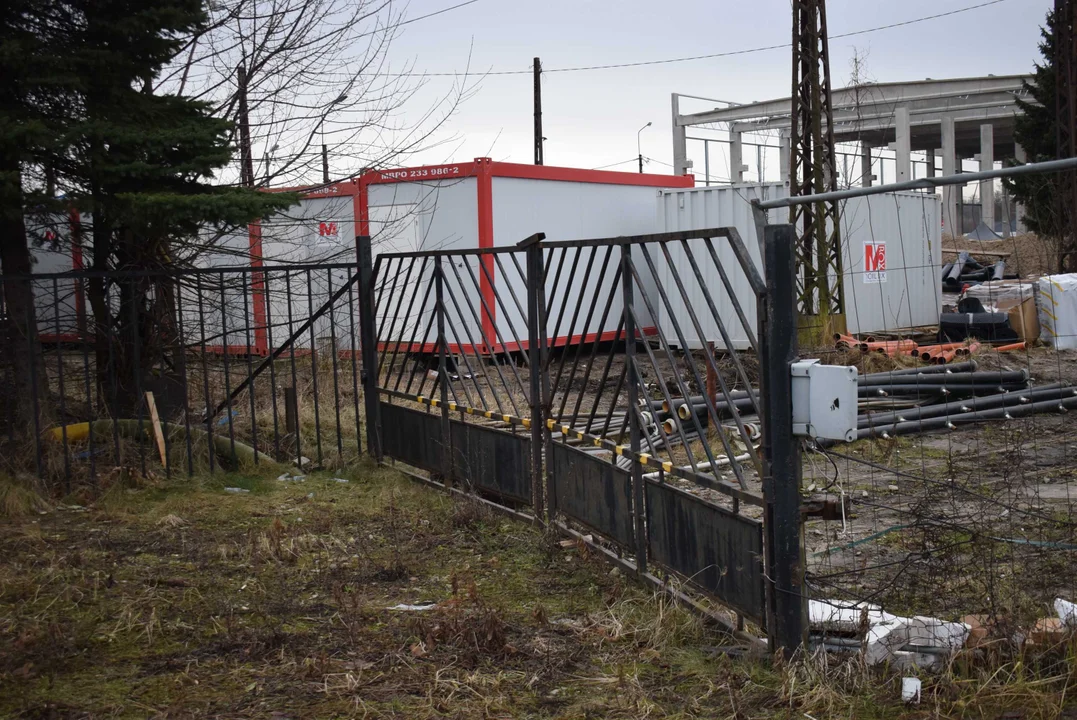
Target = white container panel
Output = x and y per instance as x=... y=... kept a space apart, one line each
x=571 y=211
x=905 y=227
x=431 y=215
x=55 y=304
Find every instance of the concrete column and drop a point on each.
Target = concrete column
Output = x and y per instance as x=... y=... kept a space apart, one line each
x=987 y=187
x=930 y=157
x=783 y=154
x=865 y=165
x=680 y=140
x=1021 y=156
x=903 y=143
x=951 y=221
x=736 y=157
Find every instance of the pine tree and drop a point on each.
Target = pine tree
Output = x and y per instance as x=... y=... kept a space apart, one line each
x=142 y=164
x=1035 y=131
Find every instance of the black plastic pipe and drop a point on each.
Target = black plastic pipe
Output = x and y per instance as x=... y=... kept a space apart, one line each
x=952 y=368
x=937 y=423
x=960 y=407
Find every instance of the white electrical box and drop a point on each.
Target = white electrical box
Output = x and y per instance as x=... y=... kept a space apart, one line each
x=824 y=400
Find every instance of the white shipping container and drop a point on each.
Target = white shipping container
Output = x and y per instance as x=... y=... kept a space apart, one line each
x=891 y=257
x=486 y=204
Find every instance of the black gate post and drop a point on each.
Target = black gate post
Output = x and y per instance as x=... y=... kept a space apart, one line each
x=368 y=341
x=634 y=439
x=786 y=600
x=539 y=382
x=443 y=374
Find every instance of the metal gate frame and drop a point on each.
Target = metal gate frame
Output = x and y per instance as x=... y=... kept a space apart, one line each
x=779 y=602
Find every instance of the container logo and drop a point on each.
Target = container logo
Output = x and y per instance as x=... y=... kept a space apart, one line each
x=327 y=229
x=874 y=262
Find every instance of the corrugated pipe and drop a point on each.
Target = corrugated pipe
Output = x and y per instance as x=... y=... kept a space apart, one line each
x=937 y=423
x=1055 y=390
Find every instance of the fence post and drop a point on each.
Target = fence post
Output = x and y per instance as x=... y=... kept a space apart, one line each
x=786 y=600
x=536 y=360
x=443 y=375
x=368 y=342
x=634 y=440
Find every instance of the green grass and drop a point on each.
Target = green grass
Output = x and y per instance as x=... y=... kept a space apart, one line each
x=177 y=599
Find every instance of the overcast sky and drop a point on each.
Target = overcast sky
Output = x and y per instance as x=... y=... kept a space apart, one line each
x=591 y=117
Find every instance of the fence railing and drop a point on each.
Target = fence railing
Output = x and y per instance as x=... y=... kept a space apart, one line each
x=575 y=383
x=216 y=366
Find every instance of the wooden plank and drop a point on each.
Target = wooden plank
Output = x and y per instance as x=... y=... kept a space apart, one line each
x=992 y=253
x=155 y=419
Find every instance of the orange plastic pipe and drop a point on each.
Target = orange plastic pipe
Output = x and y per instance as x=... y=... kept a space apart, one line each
x=1012 y=346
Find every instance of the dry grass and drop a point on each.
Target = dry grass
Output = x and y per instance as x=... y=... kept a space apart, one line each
x=176 y=599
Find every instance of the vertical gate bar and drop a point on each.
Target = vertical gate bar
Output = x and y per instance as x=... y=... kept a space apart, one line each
x=353 y=350
x=368 y=346
x=443 y=373
x=136 y=342
x=94 y=406
x=786 y=602
x=534 y=349
x=181 y=336
x=633 y=407
x=250 y=369
x=336 y=361
x=297 y=435
x=205 y=376
x=227 y=376
x=314 y=372
x=272 y=365
x=60 y=380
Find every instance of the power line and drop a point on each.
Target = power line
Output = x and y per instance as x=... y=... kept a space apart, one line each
x=731 y=53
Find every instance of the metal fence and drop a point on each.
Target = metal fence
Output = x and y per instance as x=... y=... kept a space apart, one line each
x=958 y=495
x=539 y=378
x=215 y=367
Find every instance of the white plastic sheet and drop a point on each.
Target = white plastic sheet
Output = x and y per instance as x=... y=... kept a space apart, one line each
x=1058 y=310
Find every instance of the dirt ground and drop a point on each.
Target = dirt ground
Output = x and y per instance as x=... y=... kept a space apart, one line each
x=292 y=600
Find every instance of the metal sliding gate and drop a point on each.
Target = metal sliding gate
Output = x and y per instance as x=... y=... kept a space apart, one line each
x=544 y=378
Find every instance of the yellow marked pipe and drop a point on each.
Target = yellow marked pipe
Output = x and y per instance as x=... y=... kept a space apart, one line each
x=644 y=458
x=667 y=466
x=75 y=433
x=619 y=450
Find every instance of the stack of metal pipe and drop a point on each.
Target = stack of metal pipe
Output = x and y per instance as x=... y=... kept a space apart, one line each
x=906 y=401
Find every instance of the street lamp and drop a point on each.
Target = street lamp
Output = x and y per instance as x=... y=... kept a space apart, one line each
x=639 y=151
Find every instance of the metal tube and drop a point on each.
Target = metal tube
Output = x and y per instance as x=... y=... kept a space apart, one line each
x=957 y=407
x=926 y=183
x=1005 y=412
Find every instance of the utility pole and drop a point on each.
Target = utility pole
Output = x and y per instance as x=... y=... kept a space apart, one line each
x=325 y=164
x=812 y=169
x=538 y=111
x=246 y=160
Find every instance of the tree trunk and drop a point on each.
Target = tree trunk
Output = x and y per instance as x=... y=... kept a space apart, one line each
x=29 y=406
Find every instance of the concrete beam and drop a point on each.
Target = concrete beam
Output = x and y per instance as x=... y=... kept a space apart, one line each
x=903 y=144
x=680 y=140
x=1021 y=157
x=736 y=158
x=875 y=94
x=951 y=221
x=987 y=187
x=930 y=159
x=866 y=176
x=849 y=124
